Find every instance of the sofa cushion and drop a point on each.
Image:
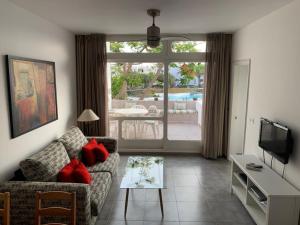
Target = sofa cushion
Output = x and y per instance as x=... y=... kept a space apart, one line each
x=73 y=141
x=101 y=153
x=99 y=189
x=66 y=173
x=81 y=174
x=109 y=165
x=109 y=143
x=46 y=164
x=88 y=153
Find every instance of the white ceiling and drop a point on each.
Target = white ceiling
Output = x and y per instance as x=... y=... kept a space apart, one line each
x=129 y=16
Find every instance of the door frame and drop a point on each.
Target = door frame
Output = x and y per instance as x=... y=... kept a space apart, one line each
x=166 y=57
x=234 y=63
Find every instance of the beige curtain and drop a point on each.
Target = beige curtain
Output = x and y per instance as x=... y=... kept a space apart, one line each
x=216 y=103
x=91 y=81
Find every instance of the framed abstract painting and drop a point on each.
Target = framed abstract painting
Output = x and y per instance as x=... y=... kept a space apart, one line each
x=32 y=94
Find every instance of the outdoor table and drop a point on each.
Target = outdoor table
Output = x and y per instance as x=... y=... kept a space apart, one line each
x=131 y=112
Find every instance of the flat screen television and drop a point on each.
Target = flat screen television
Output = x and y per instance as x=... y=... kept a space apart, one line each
x=276 y=139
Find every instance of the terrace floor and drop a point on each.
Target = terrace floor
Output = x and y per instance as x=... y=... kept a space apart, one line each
x=181 y=131
x=176 y=131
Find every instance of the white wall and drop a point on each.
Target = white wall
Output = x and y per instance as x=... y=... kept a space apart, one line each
x=273 y=45
x=24 y=34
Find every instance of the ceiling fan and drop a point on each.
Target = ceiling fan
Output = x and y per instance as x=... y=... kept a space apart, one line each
x=153 y=32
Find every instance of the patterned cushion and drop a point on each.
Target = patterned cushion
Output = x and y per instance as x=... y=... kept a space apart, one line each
x=99 y=190
x=109 y=165
x=73 y=141
x=45 y=165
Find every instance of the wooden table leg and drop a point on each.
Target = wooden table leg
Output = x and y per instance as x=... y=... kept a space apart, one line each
x=126 y=202
x=161 y=203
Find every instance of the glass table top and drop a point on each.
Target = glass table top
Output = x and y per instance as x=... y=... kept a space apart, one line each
x=144 y=172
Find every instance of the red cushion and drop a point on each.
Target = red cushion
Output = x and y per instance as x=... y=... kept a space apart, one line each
x=101 y=153
x=74 y=162
x=66 y=173
x=93 y=141
x=88 y=155
x=81 y=174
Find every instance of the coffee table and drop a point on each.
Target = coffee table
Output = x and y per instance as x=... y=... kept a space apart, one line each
x=144 y=172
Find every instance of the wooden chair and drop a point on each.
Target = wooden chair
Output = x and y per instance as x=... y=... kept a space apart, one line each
x=55 y=211
x=5 y=214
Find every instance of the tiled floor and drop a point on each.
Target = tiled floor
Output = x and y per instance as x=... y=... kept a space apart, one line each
x=198 y=193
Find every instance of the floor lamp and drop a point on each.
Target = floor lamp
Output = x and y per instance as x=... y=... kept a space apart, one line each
x=87 y=116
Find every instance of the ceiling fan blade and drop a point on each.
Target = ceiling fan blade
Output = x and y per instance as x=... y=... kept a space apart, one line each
x=174 y=38
x=138 y=40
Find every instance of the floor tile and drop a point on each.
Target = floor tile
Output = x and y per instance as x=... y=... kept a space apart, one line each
x=160 y=223
x=183 y=171
x=229 y=212
x=190 y=194
x=137 y=194
x=234 y=223
x=194 y=211
x=197 y=223
x=106 y=210
x=186 y=180
x=135 y=210
x=153 y=211
x=168 y=195
x=127 y=222
x=220 y=194
x=101 y=222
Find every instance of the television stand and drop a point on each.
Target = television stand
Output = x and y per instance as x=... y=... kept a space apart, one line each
x=269 y=199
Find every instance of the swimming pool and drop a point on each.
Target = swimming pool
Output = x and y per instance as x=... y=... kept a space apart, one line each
x=186 y=96
x=182 y=96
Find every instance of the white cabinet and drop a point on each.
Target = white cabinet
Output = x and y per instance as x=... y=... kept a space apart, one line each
x=282 y=203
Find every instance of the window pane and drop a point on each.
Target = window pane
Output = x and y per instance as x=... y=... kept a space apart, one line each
x=185 y=96
x=131 y=47
x=188 y=46
x=136 y=90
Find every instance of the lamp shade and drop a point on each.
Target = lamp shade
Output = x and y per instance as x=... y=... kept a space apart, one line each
x=87 y=115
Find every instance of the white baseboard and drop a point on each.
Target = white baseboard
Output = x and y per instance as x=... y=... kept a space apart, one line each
x=160 y=151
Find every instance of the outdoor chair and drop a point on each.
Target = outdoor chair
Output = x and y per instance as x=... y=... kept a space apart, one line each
x=153 y=124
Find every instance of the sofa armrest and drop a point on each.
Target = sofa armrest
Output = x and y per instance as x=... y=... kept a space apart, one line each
x=23 y=200
x=110 y=143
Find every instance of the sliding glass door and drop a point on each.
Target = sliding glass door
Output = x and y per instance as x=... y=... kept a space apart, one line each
x=185 y=97
x=155 y=95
